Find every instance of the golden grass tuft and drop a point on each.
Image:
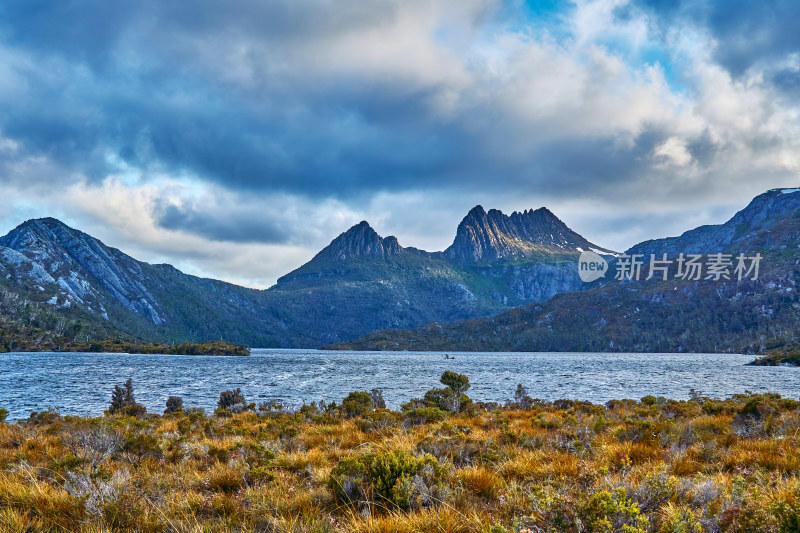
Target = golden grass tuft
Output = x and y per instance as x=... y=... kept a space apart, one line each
x=480 y=480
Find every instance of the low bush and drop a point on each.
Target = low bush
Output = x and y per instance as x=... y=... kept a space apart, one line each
x=174 y=405
x=232 y=400
x=424 y=415
x=383 y=480
x=123 y=401
x=611 y=511
x=357 y=404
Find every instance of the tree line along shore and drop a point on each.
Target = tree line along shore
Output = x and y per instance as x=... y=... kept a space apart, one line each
x=130 y=347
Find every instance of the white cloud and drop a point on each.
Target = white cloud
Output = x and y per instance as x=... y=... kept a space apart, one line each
x=692 y=138
x=673 y=152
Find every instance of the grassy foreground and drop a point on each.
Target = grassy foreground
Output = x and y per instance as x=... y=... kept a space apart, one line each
x=628 y=466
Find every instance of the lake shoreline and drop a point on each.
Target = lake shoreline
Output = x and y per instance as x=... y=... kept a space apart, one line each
x=80 y=384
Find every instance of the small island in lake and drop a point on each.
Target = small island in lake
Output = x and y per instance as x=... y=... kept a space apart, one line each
x=128 y=347
x=781 y=356
x=186 y=348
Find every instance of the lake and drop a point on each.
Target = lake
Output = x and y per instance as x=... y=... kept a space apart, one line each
x=81 y=384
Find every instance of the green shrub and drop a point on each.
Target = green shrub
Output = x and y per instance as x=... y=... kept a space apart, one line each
x=521 y=398
x=260 y=474
x=43 y=417
x=357 y=403
x=380 y=419
x=3 y=415
x=787 y=515
x=451 y=398
x=424 y=415
x=459 y=383
x=612 y=511
x=445 y=399
x=258 y=454
x=309 y=410
x=140 y=444
x=385 y=479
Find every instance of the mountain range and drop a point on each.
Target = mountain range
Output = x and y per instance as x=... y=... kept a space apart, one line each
x=508 y=282
x=657 y=315
x=61 y=281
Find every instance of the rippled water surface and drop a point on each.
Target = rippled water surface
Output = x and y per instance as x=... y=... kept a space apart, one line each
x=81 y=384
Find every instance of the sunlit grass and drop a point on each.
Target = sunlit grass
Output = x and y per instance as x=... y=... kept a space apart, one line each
x=704 y=465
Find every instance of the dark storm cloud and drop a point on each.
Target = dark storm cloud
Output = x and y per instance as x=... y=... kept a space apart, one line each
x=746 y=32
x=93 y=29
x=137 y=84
x=262 y=98
x=223 y=225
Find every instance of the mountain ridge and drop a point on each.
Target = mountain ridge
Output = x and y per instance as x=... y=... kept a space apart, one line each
x=657 y=315
x=506 y=282
x=358 y=283
x=756 y=215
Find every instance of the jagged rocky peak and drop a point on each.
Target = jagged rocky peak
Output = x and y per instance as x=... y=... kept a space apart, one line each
x=33 y=234
x=362 y=241
x=49 y=239
x=493 y=235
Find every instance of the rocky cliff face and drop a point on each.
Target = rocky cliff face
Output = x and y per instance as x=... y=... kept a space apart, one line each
x=347 y=254
x=78 y=264
x=509 y=260
x=493 y=236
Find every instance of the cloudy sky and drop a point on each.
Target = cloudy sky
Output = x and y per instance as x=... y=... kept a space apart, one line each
x=235 y=139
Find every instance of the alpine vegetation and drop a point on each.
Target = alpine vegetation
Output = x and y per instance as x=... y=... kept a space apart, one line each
x=441 y=464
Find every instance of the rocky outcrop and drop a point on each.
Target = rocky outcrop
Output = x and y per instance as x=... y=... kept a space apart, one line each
x=361 y=241
x=347 y=253
x=492 y=236
x=656 y=315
